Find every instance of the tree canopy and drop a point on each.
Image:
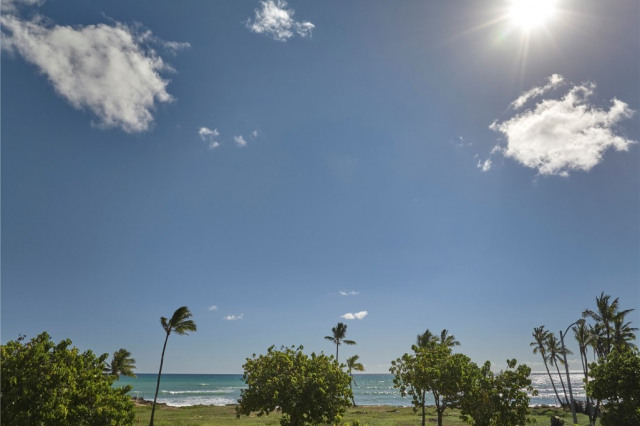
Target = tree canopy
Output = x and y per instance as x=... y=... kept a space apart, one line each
x=55 y=384
x=432 y=369
x=497 y=399
x=616 y=379
x=306 y=389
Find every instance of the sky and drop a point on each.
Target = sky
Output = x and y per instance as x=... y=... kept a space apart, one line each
x=279 y=167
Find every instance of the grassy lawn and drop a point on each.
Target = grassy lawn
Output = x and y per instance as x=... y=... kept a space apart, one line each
x=379 y=415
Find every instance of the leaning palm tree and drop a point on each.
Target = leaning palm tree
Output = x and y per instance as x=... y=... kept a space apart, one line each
x=180 y=323
x=353 y=365
x=121 y=363
x=556 y=354
x=338 y=337
x=540 y=336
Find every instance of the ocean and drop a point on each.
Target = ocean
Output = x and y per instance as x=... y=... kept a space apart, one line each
x=181 y=390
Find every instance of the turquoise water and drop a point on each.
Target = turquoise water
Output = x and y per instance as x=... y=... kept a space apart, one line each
x=181 y=390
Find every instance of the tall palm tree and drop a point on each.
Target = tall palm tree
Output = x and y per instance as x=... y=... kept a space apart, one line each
x=556 y=354
x=180 y=323
x=605 y=315
x=121 y=363
x=338 y=337
x=585 y=338
x=623 y=333
x=353 y=365
x=539 y=346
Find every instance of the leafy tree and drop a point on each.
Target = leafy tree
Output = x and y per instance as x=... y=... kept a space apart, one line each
x=353 y=365
x=539 y=346
x=432 y=369
x=339 y=332
x=54 y=384
x=306 y=389
x=616 y=379
x=180 y=323
x=121 y=363
x=497 y=399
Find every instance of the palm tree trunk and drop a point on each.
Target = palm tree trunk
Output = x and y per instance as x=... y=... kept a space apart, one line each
x=564 y=390
x=153 y=408
x=552 y=382
x=424 y=414
x=337 y=353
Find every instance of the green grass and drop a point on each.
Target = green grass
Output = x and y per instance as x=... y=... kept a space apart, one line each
x=373 y=416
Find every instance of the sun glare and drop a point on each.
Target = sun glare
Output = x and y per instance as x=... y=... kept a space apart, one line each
x=528 y=14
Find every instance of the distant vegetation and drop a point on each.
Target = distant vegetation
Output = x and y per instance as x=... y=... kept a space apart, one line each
x=54 y=384
x=615 y=378
x=454 y=381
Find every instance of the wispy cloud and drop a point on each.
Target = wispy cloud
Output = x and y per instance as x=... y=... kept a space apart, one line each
x=558 y=136
x=213 y=308
x=254 y=134
x=357 y=315
x=209 y=136
x=276 y=21
x=11 y=6
x=234 y=317
x=240 y=141
x=106 y=69
x=554 y=81
x=348 y=293
x=485 y=165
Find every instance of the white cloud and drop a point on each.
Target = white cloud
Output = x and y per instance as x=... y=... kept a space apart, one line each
x=277 y=21
x=240 y=141
x=558 y=136
x=213 y=308
x=348 y=293
x=555 y=81
x=234 y=317
x=10 y=6
x=357 y=315
x=485 y=165
x=101 y=68
x=209 y=136
x=254 y=134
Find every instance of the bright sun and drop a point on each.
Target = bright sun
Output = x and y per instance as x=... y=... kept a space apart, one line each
x=528 y=14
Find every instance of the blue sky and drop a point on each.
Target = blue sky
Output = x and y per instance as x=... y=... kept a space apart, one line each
x=280 y=167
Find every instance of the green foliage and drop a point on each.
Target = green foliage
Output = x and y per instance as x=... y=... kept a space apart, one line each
x=497 y=399
x=616 y=379
x=44 y=383
x=306 y=389
x=121 y=363
x=432 y=369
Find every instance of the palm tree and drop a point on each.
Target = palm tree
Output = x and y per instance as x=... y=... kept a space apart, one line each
x=623 y=333
x=353 y=365
x=556 y=358
x=180 y=324
x=605 y=316
x=447 y=339
x=425 y=339
x=540 y=336
x=339 y=334
x=121 y=363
